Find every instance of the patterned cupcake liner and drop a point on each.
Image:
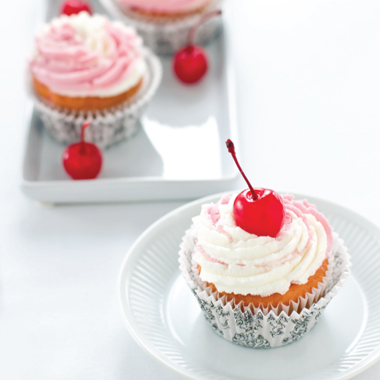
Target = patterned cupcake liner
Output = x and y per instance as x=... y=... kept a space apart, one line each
x=166 y=35
x=271 y=327
x=107 y=126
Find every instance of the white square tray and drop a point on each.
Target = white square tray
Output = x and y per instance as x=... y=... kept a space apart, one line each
x=179 y=153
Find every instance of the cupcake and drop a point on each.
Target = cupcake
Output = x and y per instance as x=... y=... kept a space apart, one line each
x=165 y=25
x=87 y=68
x=262 y=291
x=262 y=266
x=169 y=9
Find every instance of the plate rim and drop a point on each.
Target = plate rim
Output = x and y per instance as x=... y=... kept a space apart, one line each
x=366 y=363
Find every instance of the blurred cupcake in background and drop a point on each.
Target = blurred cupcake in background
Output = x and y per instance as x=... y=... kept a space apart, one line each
x=87 y=68
x=165 y=24
x=164 y=8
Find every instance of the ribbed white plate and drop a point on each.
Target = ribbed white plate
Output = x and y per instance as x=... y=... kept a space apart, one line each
x=165 y=319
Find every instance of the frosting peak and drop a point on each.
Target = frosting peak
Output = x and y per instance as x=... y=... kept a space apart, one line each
x=236 y=261
x=83 y=55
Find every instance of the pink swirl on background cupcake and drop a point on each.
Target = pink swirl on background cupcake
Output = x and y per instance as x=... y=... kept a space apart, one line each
x=165 y=6
x=85 y=55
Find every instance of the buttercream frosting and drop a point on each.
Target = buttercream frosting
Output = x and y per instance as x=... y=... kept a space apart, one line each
x=83 y=55
x=165 y=6
x=236 y=261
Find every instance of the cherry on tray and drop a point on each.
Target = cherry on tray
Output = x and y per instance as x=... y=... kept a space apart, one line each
x=72 y=7
x=82 y=160
x=190 y=63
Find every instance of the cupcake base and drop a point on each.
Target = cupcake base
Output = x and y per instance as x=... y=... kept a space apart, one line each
x=140 y=12
x=295 y=291
x=90 y=103
x=108 y=126
x=269 y=327
x=166 y=35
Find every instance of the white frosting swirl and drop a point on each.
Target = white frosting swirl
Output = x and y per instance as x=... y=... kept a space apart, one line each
x=236 y=261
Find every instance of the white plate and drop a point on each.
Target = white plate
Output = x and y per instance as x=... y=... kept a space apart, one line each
x=179 y=153
x=164 y=318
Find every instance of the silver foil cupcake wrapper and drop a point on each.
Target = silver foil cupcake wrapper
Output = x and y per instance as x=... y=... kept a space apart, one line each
x=167 y=35
x=264 y=328
x=107 y=126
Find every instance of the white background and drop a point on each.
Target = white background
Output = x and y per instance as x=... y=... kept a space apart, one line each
x=309 y=121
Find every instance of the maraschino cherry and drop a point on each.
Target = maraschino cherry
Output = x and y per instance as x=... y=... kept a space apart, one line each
x=256 y=210
x=72 y=7
x=190 y=63
x=82 y=160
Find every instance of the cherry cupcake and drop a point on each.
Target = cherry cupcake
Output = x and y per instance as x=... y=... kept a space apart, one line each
x=87 y=68
x=165 y=24
x=262 y=266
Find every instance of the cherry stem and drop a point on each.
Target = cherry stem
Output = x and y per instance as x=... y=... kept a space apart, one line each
x=231 y=149
x=202 y=20
x=85 y=125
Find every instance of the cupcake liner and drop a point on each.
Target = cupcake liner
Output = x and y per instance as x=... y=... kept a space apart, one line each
x=166 y=35
x=271 y=327
x=107 y=126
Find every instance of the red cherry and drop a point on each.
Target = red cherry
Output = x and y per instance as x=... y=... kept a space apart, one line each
x=73 y=7
x=263 y=216
x=82 y=160
x=257 y=211
x=190 y=63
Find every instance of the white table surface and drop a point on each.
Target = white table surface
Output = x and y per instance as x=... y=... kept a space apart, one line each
x=308 y=92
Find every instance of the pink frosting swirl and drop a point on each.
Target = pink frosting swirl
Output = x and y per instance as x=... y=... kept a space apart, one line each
x=84 y=54
x=301 y=208
x=165 y=6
